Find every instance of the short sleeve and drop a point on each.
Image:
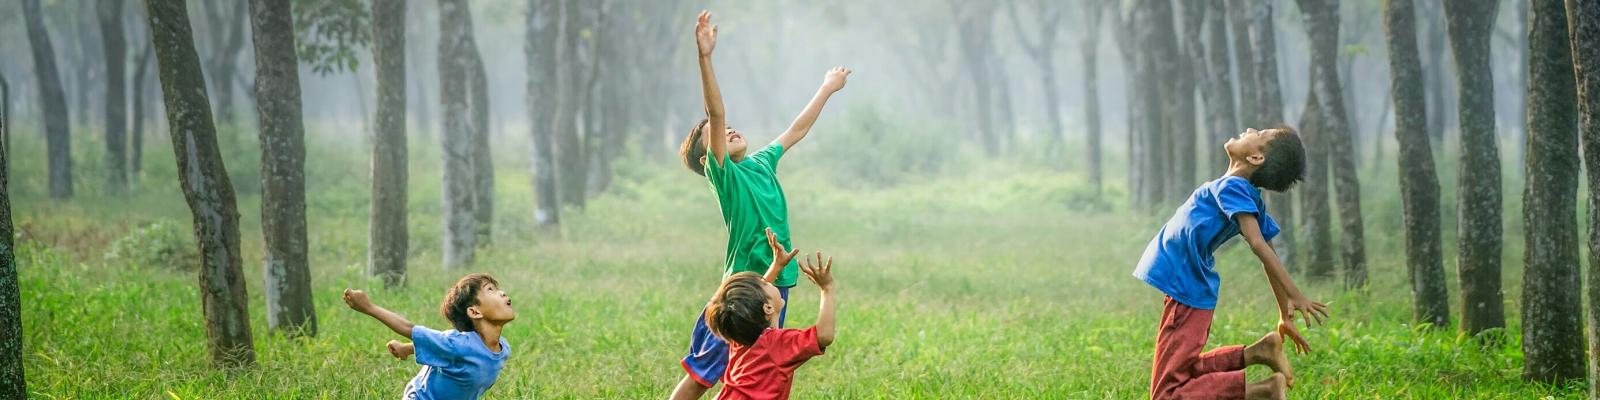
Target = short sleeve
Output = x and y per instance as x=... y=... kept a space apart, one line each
x=768 y=156
x=433 y=348
x=1237 y=196
x=794 y=346
x=718 y=172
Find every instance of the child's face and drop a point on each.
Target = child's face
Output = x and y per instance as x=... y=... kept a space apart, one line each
x=736 y=144
x=494 y=305
x=1249 y=146
x=774 y=303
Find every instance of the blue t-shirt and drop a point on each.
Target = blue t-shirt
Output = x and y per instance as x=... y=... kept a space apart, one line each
x=1179 y=260
x=455 y=365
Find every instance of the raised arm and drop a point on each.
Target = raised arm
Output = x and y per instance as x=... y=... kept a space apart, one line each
x=1290 y=299
x=705 y=38
x=357 y=300
x=832 y=82
x=821 y=273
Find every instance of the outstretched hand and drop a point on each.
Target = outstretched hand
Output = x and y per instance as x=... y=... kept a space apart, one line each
x=705 y=34
x=400 y=350
x=818 y=271
x=779 y=255
x=357 y=300
x=1287 y=329
x=835 y=79
x=1309 y=310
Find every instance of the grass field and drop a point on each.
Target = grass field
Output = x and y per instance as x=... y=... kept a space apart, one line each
x=1002 y=281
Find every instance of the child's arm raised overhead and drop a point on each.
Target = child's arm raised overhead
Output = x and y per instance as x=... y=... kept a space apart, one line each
x=1290 y=300
x=821 y=273
x=705 y=39
x=832 y=82
x=780 y=258
x=357 y=300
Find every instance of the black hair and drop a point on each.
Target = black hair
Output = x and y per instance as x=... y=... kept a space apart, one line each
x=738 y=311
x=693 y=151
x=1285 y=162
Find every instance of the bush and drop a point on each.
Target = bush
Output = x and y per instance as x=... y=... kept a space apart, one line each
x=871 y=148
x=164 y=244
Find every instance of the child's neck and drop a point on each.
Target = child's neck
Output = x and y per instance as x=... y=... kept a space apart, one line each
x=1240 y=169
x=490 y=333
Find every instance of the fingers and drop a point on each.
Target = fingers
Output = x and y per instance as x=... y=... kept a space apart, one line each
x=792 y=253
x=714 y=31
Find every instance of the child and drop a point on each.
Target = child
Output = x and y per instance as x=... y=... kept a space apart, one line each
x=750 y=198
x=460 y=363
x=745 y=312
x=1179 y=263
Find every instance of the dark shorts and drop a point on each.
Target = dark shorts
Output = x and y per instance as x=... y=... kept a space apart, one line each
x=708 y=354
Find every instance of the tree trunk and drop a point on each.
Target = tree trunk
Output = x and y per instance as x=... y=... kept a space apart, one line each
x=1552 y=287
x=205 y=186
x=1322 y=25
x=116 y=96
x=283 y=172
x=1267 y=98
x=388 y=238
x=13 y=384
x=1419 y=183
x=1218 y=88
x=140 y=75
x=974 y=24
x=1183 y=125
x=460 y=223
x=1089 y=47
x=482 y=158
x=1584 y=19
x=1315 y=217
x=1478 y=190
x=543 y=19
x=228 y=16
x=1159 y=42
x=52 y=101
x=571 y=173
x=1240 y=21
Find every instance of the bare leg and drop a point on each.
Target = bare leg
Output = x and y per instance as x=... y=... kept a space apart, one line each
x=689 y=389
x=1271 y=388
x=1269 y=351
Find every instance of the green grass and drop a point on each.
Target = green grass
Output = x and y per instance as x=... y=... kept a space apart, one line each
x=998 y=282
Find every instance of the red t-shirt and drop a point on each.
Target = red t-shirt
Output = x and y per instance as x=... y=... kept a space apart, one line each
x=765 y=369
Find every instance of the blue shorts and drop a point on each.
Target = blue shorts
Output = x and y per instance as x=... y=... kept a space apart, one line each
x=708 y=354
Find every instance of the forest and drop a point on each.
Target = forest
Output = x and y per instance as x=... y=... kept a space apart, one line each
x=188 y=189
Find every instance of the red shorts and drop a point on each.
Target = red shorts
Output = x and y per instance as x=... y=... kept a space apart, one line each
x=1181 y=371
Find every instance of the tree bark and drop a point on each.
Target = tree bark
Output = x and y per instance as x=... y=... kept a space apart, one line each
x=13 y=383
x=1184 y=126
x=543 y=19
x=1584 y=20
x=1419 y=183
x=571 y=173
x=1158 y=43
x=205 y=186
x=57 y=125
x=283 y=172
x=1089 y=48
x=1322 y=25
x=460 y=223
x=1315 y=216
x=1469 y=23
x=228 y=16
x=1267 y=112
x=140 y=76
x=1218 y=88
x=482 y=157
x=388 y=239
x=1552 y=287
x=115 y=50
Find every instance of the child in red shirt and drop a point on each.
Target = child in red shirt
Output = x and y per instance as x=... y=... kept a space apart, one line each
x=745 y=311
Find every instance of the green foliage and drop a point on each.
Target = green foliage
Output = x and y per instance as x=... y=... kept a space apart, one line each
x=164 y=244
x=871 y=148
x=329 y=33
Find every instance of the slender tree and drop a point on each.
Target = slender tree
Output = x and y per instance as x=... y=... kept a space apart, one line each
x=227 y=18
x=1267 y=97
x=1583 y=16
x=1419 y=183
x=13 y=384
x=111 y=41
x=141 y=74
x=58 y=142
x=482 y=160
x=1046 y=17
x=975 y=23
x=1088 y=48
x=1469 y=23
x=1218 y=87
x=283 y=173
x=543 y=22
x=1552 y=287
x=1158 y=42
x=387 y=236
x=205 y=186
x=460 y=224
x=1322 y=25
x=1184 y=72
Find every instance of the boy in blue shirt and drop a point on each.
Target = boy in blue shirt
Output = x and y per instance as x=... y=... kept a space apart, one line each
x=459 y=363
x=1179 y=262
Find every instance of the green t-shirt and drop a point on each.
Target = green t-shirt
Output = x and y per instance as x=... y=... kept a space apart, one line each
x=752 y=201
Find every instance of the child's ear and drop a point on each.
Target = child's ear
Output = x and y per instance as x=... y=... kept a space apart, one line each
x=474 y=313
x=768 y=309
x=1256 y=159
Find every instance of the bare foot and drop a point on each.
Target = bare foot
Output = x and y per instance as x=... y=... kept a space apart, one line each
x=1271 y=388
x=1269 y=351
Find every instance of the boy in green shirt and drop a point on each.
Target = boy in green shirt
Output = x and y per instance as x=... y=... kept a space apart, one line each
x=750 y=198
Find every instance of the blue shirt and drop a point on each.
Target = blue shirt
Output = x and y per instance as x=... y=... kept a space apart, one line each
x=1179 y=262
x=455 y=365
